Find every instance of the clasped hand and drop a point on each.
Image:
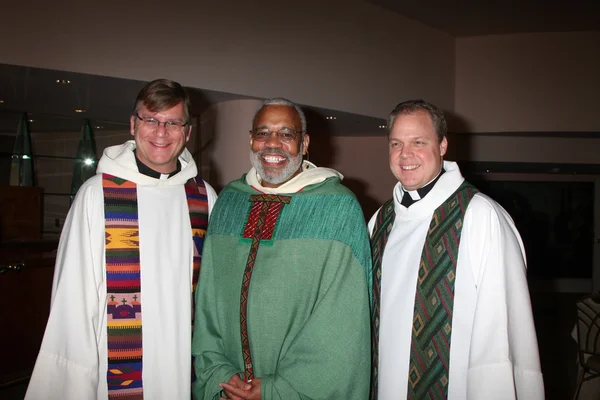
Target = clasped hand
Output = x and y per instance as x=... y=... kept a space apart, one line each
x=237 y=389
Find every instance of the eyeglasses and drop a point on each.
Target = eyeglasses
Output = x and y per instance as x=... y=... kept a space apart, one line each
x=285 y=135
x=170 y=126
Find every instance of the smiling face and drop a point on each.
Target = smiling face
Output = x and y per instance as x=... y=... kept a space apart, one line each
x=277 y=162
x=156 y=147
x=415 y=150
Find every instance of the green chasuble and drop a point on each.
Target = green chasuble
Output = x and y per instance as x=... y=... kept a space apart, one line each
x=283 y=294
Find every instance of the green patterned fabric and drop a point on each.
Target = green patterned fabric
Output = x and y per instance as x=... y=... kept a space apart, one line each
x=332 y=207
x=307 y=299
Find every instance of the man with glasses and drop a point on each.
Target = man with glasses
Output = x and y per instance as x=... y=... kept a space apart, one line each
x=282 y=303
x=127 y=265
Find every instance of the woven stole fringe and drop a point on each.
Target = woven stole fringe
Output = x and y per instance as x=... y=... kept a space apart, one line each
x=123 y=284
x=260 y=225
x=434 y=295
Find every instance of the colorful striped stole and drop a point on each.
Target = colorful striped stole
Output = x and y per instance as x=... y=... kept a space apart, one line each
x=434 y=295
x=123 y=284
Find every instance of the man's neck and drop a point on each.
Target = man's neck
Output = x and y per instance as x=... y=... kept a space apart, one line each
x=146 y=170
x=421 y=192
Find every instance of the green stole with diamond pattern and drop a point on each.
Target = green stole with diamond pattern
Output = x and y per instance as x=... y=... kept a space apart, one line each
x=123 y=283
x=434 y=295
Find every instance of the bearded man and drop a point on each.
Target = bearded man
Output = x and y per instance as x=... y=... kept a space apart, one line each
x=282 y=304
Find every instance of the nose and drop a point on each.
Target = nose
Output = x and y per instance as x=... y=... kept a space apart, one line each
x=405 y=152
x=161 y=130
x=273 y=140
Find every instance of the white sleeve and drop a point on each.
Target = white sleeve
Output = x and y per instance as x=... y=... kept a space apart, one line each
x=212 y=196
x=67 y=364
x=371 y=223
x=503 y=357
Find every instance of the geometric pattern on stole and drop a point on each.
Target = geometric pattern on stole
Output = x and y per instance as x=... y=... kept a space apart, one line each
x=123 y=281
x=434 y=299
x=262 y=219
x=123 y=287
x=381 y=231
x=197 y=200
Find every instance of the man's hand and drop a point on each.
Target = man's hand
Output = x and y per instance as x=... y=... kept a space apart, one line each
x=237 y=389
x=235 y=382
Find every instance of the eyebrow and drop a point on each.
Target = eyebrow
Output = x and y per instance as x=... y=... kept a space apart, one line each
x=420 y=137
x=282 y=127
x=182 y=120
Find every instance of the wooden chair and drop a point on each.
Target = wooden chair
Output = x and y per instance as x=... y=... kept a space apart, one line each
x=588 y=338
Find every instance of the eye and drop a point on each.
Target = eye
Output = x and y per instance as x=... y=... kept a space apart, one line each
x=287 y=135
x=420 y=142
x=261 y=134
x=150 y=121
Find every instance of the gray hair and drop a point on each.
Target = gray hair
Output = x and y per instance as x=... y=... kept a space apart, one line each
x=413 y=106
x=280 y=101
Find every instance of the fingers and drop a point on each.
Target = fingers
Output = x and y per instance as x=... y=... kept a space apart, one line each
x=236 y=381
x=234 y=393
x=231 y=397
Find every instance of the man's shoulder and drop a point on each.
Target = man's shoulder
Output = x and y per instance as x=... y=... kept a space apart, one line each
x=91 y=185
x=330 y=186
x=208 y=186
x=238 y=185
x=483 y=210
x=95 y=184
x=90 y=194
x=482 y=202
x=201 y=182
x=333 y=196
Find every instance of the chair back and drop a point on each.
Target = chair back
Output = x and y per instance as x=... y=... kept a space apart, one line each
x=588 y=325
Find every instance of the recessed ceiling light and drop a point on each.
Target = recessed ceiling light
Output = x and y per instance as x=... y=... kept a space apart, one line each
x=31 y=120
x=1 y=101
x=330 y=117
x=99 y=127
x=63 y=81
x=80 y=110
x=382 y=127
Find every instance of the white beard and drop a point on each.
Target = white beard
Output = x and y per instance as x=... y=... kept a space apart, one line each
x=286 y=173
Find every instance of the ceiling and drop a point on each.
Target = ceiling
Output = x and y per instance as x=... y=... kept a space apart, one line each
x=107 y=101
x=462 y=18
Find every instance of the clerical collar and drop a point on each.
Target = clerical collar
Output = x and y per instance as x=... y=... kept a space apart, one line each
x=411 y=196
x=146 y=170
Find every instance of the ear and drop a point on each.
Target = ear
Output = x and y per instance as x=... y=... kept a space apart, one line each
x=443 y=146
x=189 y=133
x=250 y=138
x=305 y=143
x=132 y=125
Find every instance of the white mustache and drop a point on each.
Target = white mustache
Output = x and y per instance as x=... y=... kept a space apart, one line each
x=274 y=152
